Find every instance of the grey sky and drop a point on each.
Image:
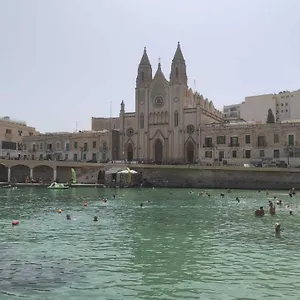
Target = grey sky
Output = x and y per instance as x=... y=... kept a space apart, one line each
x=63 y=61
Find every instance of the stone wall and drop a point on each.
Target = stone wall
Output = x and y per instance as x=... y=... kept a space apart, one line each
x=242 y=178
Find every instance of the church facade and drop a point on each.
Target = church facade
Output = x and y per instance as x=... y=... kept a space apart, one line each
x=165 y=127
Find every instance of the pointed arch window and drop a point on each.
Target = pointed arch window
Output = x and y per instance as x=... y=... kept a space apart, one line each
x=142 y=123
x=176 y=119
x=176 y=72
x=143 y=78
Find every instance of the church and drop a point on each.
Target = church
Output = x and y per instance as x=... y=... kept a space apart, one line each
x=166 y=125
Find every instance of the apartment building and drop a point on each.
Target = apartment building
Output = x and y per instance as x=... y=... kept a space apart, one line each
x=93 y=146
x=245 y=143
x=11 y=135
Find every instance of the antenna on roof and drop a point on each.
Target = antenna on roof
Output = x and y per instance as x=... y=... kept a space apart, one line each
x=110 y=115
x=195 y=86
x=76 y=130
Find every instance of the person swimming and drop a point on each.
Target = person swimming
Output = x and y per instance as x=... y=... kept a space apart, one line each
x=237 y=199
x=277 y=229
x=291 y=212
x=95 y=219
x=222 y=195
x=68 y=217
x=260 y=212
x=272 y=209
x=141 y=205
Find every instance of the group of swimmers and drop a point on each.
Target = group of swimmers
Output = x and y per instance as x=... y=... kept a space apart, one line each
x=272 y=209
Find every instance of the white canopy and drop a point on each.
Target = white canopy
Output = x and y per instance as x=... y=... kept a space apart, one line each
x=126 y=172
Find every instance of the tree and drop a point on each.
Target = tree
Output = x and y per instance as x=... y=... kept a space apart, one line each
x=270 y=118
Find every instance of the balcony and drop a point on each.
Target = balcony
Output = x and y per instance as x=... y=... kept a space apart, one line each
x=208 y=145
x=261 y=144
x=233 y=144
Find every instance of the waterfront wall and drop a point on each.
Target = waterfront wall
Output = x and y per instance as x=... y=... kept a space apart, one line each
x=235 y=178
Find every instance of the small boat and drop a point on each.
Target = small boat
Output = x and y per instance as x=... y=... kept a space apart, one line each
x=58 y=186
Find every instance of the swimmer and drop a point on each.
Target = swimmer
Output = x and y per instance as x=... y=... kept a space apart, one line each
x=291 y=212
x=277 y=229
x=293 y=191
x=260 y=212
x=114 y=196
x=267 y=192
x=141 y=205
x=95 y=219
x=279 y=202
x=222 y=195
x=270 y=203
x=272 y=210
x=68 y=217
x=237 y=199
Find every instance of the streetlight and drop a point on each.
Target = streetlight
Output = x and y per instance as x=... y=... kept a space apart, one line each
x=289 y=151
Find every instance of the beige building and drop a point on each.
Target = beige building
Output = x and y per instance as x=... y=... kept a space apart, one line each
x=245 y=143
x=231 y=111
x=94 y=146
x=168 y=115
x=11 y=135
x=284 y=105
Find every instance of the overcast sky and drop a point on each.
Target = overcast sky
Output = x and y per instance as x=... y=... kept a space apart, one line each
x=64 y=61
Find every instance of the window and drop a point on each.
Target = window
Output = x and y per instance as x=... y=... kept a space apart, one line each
x=84 y=156
x=176 y=119
x=221 y=139
x=75 y=145
x=41 y=146
x=8 y=131
x=20 y=132
x=286 y=110
x=67 y=146
x=291 y=140
x=247 y=139
x=247 y=153
x=57 y=146
x=49 y=147
x=75 y=157
x=281 y=103
x=208 y=142
x=94 y=144
x=142 y=121
x=276 y=153
x=41 y=157
x=208 y=154
x=176 y=72
x=66 y=156
x=142 y=76
x=261 y=141
x=85 y=147
x=276 y=138
x=262 y=153
x=104 y=146
x=234 y=141
x=33 y=147
x=234 y=153
x=94 y=157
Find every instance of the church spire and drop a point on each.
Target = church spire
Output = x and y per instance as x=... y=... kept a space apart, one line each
x=178 y=56
x=178 y=68
x=144 y=76
x=145 y=59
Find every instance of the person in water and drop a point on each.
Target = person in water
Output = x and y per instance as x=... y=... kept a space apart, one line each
x=237 y=199
x=95 y=219
x=277 y=229
x=68 y=217
x=272 y=209
x=141 y=205
x=260 y=212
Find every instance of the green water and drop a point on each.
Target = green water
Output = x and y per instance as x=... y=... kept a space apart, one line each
x=178 y=246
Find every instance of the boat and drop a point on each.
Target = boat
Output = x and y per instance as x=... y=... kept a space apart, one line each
x=58 y=186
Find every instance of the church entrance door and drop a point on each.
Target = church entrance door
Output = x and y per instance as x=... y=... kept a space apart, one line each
x=158 y=149
x=190 y=152
x=129 y=152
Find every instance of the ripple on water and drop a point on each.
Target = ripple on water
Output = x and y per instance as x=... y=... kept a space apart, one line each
x=179 y=246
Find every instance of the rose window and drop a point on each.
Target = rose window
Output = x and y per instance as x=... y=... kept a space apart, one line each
x=130 y=132
x=190 y=129
x=159 y=101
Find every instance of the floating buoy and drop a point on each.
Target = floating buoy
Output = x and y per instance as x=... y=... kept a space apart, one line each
x=15 y=222
x=59 y=211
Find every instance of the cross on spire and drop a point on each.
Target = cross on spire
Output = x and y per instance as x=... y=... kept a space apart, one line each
x=159 y=59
